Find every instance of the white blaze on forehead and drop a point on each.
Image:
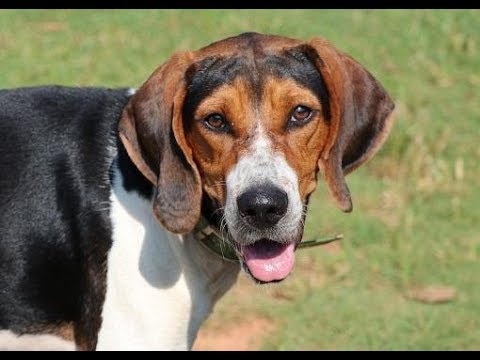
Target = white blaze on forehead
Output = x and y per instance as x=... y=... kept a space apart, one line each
x=259 y=165
x=262 y=165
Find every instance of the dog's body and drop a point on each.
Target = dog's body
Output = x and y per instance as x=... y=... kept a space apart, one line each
x=57 y=235
x=100 y=190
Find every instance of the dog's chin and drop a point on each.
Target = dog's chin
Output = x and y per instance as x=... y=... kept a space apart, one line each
x=268 y=261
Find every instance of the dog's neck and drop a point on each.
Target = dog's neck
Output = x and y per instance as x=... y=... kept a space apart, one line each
x=210 y=236
x=160 y=286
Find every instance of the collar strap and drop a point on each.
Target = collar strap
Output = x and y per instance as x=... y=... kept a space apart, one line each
x=316 y=242
x=209 y=236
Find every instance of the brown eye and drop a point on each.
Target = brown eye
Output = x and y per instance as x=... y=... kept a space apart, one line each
x=300 y=115
x=216 y=122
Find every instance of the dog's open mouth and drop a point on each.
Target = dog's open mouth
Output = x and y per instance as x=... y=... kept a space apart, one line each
x=269 y=260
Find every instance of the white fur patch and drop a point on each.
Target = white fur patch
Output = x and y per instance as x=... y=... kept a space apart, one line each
x=43 y=342
x=262 y=165
x=131 y=91
x=160 y=286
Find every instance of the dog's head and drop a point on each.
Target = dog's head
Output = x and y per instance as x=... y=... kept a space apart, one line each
x=240 y=129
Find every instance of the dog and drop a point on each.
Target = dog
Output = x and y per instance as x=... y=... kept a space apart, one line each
x=125 y=215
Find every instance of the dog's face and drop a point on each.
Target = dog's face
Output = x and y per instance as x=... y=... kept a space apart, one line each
x=258 y=127
x=243 y=127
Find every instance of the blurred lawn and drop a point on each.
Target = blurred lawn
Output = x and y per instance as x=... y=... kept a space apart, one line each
x=416 y=219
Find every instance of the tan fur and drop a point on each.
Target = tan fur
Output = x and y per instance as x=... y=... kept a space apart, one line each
x=300 y=145
x=215 y=154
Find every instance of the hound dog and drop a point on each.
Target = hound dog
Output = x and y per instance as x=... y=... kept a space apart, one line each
x=107 y=196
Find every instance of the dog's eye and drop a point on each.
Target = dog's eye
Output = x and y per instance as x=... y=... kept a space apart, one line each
x=300 y=115
x=216 y=122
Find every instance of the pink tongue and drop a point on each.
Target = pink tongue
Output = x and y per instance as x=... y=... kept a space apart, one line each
x=268 y=260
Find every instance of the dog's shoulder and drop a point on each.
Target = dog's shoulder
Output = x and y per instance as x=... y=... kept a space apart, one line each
x=55 y=156
x=48 y=130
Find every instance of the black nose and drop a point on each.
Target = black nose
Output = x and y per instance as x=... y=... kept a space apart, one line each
x=263 y=206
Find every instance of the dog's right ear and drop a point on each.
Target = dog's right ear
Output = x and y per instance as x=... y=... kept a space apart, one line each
x=152 y=132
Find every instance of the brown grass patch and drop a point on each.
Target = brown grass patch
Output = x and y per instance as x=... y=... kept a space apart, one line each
x=247 y=334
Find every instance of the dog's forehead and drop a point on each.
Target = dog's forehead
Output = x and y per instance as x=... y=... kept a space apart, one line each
x=254 y=58
x=250 y=54
x=248 y=43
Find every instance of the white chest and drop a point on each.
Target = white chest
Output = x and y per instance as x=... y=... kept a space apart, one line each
x=157 y=294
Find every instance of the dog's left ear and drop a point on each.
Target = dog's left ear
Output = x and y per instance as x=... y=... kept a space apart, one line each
x=151 y=129
x=360 y=116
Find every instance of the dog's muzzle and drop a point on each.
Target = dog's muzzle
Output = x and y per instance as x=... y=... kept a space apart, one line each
x=261 y=208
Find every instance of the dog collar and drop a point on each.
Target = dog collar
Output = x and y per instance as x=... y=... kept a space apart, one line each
x=209 y=236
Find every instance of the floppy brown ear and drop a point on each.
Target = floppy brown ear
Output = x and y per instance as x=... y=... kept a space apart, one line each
x=152 y=132
x=360 y=117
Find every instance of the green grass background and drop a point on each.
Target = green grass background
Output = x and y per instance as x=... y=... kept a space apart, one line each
x=416 y=219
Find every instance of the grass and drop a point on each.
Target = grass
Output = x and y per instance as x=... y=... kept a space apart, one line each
x=416 y=221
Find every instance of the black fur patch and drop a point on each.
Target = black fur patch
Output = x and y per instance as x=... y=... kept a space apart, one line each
x=55 y=230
